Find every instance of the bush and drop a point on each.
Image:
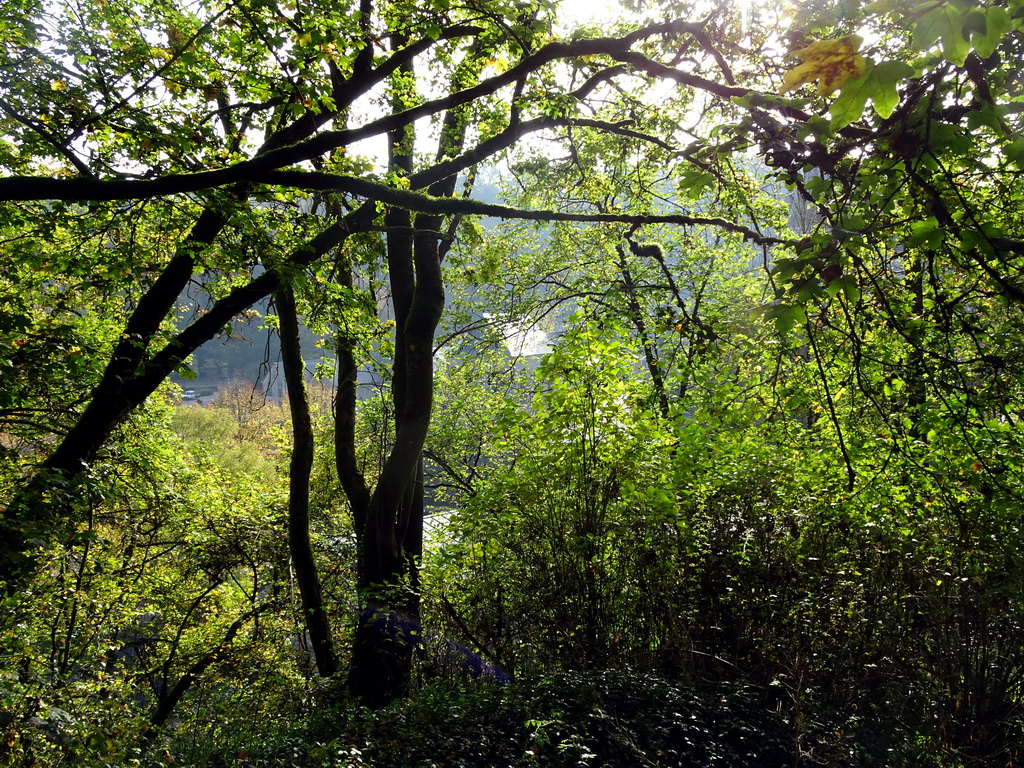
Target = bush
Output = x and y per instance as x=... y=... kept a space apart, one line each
x=615 y=717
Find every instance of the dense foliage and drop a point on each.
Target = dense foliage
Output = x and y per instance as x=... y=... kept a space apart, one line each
x=673 y=374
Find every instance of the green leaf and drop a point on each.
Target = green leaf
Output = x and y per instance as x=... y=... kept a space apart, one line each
x=847 y=285
x=817 y=186
x=885 y=77
x=786 y=317
x=1014 y=152
x=850 y=105
x=878 y=84
x=850 y=289
x=986 y=35
x=185 y=372
x=694 y=181
x=970 y=239
x=926 y=233
x=784 y=269
x=943 y=24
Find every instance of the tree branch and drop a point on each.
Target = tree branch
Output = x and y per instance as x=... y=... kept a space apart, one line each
x=35 y=188
x=49 y=136
x=424 y=203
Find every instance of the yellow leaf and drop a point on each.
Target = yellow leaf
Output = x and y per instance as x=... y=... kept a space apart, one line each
x=499 y=64
x=830 y=63
x=57 y=85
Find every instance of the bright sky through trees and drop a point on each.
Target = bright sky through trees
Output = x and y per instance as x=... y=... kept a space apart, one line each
x=575 y=12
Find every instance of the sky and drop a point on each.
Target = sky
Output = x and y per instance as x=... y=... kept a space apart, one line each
x=589 y=10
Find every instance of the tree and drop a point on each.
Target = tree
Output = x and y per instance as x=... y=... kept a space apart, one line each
x=103 y=123
x=162 y=193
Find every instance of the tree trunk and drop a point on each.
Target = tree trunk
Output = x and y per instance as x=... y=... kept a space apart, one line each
x=391 y=535
x=306 y=575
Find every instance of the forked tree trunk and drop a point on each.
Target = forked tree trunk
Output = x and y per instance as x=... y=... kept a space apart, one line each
x=389 y=521
x=389 y=529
